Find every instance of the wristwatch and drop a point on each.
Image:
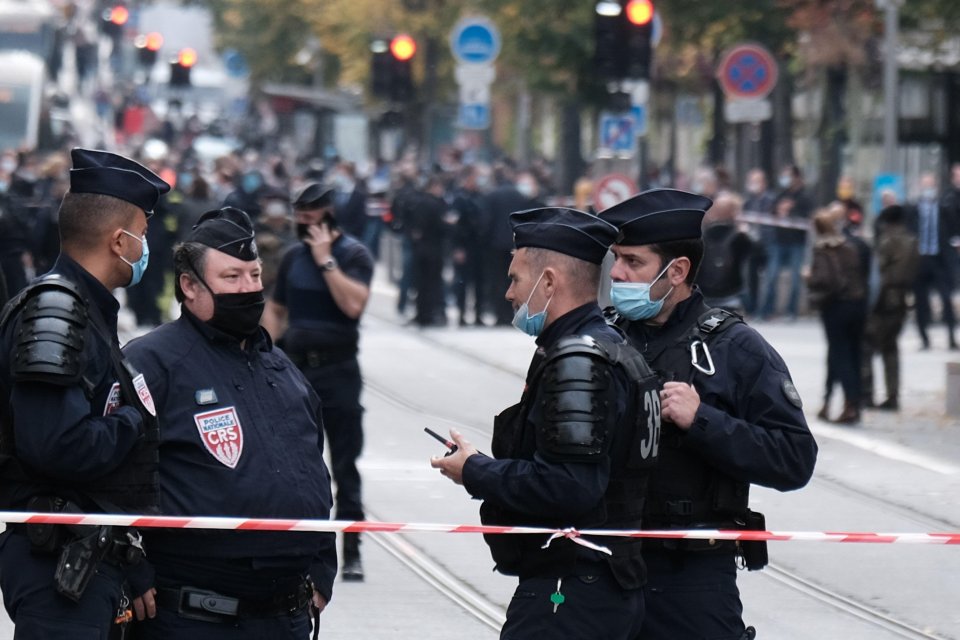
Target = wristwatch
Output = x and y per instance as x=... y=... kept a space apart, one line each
x=330 y=264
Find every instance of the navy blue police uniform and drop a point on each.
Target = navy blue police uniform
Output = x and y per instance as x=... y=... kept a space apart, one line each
x=749 y=429
x=323 y=341
x=240 y=436
x=71 y=438
x=575 y=451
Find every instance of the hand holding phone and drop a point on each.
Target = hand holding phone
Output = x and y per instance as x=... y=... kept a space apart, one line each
x=451 y=447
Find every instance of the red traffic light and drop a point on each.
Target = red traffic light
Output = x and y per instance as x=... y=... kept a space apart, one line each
x=403 y=47
x=640 y=12
x=153 y=41
x=187 y=57
x=119 y=15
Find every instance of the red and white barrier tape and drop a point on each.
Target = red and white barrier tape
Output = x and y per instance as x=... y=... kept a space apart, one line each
x=267 y=524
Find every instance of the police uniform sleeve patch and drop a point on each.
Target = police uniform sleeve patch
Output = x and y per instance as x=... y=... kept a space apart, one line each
x=221 y=434
x=143 y=392
x=113 y=399
x=790 y=391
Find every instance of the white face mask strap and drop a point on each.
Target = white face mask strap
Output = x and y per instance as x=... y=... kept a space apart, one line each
x=660 y=275
x=532 y=291
x=140 y=240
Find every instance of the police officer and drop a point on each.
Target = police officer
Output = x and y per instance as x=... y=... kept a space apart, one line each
x=576 y=450
x=321 y=291
x=71 y=439
x=240 y=436
x=731 y=417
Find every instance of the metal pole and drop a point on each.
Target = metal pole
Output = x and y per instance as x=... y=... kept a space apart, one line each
x=891 y=36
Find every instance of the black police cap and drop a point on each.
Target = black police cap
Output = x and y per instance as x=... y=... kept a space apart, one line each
x=313 y=196
x=568 y=231
x=228 y=230
x=113 y=175
x=658 y=215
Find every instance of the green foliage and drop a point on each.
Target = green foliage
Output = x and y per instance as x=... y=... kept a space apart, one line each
x=269 y=33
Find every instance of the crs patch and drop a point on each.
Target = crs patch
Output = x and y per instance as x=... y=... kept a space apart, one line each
x=221 y=434
x=113 y=400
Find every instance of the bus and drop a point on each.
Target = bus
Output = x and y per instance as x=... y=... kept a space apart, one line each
x=21 y=99
x=30 y=26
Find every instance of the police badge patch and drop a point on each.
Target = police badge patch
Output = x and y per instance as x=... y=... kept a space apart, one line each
x=221 y=434
x=113 y=399
x=143 y=392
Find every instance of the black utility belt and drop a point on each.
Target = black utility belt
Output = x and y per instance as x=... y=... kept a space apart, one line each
x=692 y=545
x=210 y=606
x=313 y=358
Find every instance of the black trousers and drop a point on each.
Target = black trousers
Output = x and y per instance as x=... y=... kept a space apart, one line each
x=691 y=595
x=594 y=608
x=169 y=625
x=498 y=264
x=38 y=611
x=428 y=281
x=933 y=272
x=339 y=386
x=843 y=323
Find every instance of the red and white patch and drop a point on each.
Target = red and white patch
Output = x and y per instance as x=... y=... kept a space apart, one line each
x=221 y=434
x=143 y=392
x=113 y=400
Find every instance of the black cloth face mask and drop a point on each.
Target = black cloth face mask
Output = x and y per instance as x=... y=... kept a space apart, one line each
x=236 y=314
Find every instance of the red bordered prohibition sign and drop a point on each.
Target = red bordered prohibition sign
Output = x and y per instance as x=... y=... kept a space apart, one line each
x=747 y=71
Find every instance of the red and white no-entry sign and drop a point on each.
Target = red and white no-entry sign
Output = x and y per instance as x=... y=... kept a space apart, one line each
x=612 y=189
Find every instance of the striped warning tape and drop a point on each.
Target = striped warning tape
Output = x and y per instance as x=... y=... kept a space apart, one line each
x=350 y=526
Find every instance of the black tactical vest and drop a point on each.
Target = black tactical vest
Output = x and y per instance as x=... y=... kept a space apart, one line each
x=686 y=491
x=134 y=486
x=633 y=453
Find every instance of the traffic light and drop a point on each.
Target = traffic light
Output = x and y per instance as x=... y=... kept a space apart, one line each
x=608 y=27
x=391 y=68
x=180 y=68
x=622 y=37
x=402 y=50
x=114 y=19
x=637 y=43
x=148 y=47
x=381 y=67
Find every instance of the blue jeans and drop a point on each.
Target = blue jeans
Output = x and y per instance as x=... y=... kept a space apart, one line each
x=779 y=257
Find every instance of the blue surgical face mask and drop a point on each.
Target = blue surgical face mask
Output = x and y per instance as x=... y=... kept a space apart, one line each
x=531 y=325
x=140 y=265
x=251 y=182
x=632 y=299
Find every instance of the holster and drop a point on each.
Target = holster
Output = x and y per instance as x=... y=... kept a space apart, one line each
x=49 y=539
x=79 y=560
x=754 y=552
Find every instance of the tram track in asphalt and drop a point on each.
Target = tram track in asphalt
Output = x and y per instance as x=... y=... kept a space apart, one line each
x=429 y=569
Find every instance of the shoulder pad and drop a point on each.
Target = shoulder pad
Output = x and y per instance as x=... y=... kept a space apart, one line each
x=51 y=336
x=584 y=345
x=575 y=388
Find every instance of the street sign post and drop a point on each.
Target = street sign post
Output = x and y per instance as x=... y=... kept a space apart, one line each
x=475 y=40
x=618 y=135
x=473 y=116
x=747 y=71
x=737 y=111
x=612 y=189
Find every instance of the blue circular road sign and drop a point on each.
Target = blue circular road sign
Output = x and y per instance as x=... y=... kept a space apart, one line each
x=475 y=40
